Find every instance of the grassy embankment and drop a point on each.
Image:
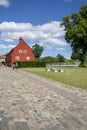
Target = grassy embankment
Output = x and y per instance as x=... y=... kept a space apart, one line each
x=74 y=76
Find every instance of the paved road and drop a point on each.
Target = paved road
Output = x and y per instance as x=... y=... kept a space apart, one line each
x=29 y=102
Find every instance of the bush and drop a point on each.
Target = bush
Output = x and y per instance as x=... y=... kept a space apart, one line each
x=83 y=65
x=22 y=64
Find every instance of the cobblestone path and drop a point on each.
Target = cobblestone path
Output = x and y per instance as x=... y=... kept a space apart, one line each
x=29 y=102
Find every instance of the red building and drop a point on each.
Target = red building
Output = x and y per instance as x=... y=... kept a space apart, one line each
x=22 y=52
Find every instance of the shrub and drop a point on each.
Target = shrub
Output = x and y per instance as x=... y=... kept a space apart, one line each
x=31 y=64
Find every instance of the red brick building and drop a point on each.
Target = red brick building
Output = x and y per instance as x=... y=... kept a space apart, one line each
x=22 y=52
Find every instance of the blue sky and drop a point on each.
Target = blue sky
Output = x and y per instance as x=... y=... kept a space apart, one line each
x=37 y=21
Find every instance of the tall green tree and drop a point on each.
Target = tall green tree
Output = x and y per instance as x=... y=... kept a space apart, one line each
x=76 y=32
x=37 y=50
x=75 y=55
x=60 y=58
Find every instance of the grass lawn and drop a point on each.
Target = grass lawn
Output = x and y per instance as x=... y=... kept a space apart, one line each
x=74 y=76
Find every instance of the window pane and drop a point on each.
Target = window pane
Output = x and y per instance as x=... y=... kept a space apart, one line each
x=28 y=58
x=20 y=51
x=24 y=51
x=17 y=57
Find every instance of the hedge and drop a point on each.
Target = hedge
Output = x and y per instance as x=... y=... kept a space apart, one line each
x=31 y=64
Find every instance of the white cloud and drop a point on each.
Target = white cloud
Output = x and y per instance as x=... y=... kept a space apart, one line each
x=4 y=3
x=5 y=48
x=53 y=43
x=48 y=35
x=60 y=49
x=16 y=27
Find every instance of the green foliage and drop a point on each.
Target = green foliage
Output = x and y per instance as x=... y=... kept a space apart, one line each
x=60 y=58
x=37 y=50
x=83 y=65
x=76 y=31
x=47 y=59
x=50 y=59
x=31 y=64
x=75 y=55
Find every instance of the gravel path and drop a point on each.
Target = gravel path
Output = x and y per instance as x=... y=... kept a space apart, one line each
x=29 y=102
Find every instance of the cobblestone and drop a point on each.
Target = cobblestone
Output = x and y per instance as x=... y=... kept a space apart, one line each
x=29 y=102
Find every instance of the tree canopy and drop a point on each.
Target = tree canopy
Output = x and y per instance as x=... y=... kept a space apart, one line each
x=60 y=58
x=37 y=50
x=75 y=55
x=76 y=32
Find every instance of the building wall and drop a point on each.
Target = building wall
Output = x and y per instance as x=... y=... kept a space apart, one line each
x=2 y=59
x=22 y=52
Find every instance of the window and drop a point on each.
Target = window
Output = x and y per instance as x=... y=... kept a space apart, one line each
x=27 y=57
x=20 y=51
x=17 y=57
x=24 y=51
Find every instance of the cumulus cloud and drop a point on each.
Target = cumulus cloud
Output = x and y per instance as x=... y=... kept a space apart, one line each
x=48 y=35
x=4 y=3
x=5 y=48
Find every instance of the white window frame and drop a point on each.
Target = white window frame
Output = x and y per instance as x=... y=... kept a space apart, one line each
x=20 y=51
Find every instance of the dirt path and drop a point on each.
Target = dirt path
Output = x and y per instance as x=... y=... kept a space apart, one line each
x=29 y=102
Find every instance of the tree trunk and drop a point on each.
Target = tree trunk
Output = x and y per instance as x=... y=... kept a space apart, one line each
x=83 y=59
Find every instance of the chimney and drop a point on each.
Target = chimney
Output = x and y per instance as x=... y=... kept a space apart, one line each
x=20 y=39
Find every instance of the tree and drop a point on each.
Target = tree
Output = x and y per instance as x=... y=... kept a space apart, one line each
x=75 y=55
x=49 y=59
x=76 y=32
x=60 y=58
x=37 y=50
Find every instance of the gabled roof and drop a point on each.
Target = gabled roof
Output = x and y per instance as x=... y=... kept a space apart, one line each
x=2 y=57
x=10 y=52
x=21 y=41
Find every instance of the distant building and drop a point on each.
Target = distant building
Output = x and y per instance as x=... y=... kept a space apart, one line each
x=22 y=52
x=2 y=59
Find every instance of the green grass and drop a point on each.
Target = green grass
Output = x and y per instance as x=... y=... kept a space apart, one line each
x=74 y=76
